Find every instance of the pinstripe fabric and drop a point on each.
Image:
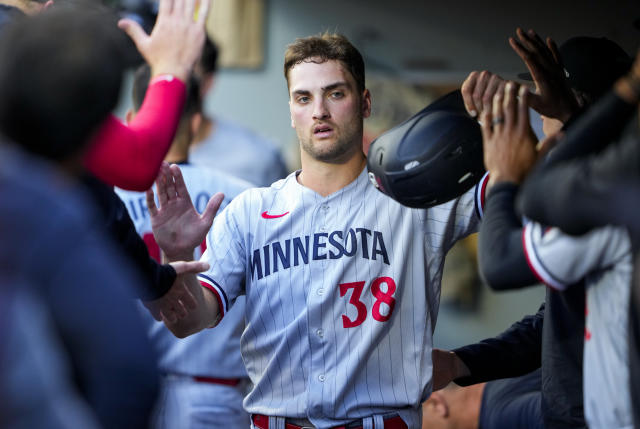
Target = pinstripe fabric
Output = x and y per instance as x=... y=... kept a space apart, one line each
x=208 y=353
x=603 y=259
x=302 y=273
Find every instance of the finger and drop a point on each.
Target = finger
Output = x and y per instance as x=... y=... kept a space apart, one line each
x=189 y=9
x=509 y=105
x=496 y=112
x=492 y=88
x=151 y=202
x=525 y=40
x=467 y=93
x=178 y=180
x=478 y=91
x=165 y=7
x=161 y=184
x=203 y=11
x=485 y=126
x=523 y=108
x=191 y=267
x=180 y=9
x=212 y=208
x=555 y=52
x=171 y=185
x=134 y=31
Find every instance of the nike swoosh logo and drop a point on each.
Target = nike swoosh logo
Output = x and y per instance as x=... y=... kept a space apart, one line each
x=268 y=216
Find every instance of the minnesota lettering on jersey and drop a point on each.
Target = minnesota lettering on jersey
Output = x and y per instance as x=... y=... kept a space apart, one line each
x=322 y=245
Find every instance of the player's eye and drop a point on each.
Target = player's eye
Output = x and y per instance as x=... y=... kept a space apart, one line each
x=302 y=99
x=336 y=94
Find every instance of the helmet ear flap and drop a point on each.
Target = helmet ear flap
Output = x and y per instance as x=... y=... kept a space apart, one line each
x=431 y=158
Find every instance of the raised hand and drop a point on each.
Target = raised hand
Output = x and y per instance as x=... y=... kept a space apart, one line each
x=176 y=41
x=554 y=97
x=509 y=143
x=177 y=226
x=478 y=90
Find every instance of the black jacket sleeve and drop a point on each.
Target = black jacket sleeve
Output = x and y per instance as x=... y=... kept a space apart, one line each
x=586 y=192
x=501 y=256
x=515 y=352
x=119 y=226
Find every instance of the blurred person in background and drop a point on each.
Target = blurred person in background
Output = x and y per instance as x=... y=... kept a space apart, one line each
x=229 y=147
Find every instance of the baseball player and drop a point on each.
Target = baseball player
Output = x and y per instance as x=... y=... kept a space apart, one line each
x=600 y=258
x=342 y=283
x=204 y=379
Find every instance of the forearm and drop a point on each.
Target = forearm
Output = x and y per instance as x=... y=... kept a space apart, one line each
x=129 y=156
x=501 y=256
x=206 y=314
x=515 y=352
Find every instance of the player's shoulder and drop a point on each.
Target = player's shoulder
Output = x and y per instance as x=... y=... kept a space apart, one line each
x=257 y=195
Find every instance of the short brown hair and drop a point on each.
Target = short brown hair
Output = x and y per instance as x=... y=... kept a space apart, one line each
x=325 y=47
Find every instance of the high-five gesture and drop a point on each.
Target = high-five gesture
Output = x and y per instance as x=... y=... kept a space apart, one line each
x=554 y=97
x=176 y=41
x=177 y=226
x=509 y=143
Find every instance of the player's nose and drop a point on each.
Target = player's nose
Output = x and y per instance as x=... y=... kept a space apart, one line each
x=320 y=110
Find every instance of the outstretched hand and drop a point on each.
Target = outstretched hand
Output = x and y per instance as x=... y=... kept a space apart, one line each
x=478 y=90
x=554 y=97
x=178 y=301
x=176 y=41
x=177 y=226
x=509 y=143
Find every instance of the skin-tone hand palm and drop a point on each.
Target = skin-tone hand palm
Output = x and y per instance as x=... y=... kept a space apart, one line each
x=553 y=98
x=176 y=41
x=509 y=143
x=177 y=227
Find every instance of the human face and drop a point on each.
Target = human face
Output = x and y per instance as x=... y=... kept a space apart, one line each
x=327 y=110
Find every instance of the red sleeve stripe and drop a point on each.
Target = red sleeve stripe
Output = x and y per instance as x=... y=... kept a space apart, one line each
x=213 y=288
x=481 y=189
x=534 y=263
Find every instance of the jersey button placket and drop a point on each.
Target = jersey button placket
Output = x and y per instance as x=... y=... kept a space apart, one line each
x=316 y=306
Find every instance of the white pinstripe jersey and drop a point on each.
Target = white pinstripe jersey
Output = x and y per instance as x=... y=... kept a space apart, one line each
x=208 y=353
x=342 y=296
x=603 y=259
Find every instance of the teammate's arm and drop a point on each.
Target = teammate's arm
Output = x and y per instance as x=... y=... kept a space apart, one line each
x=129 y=157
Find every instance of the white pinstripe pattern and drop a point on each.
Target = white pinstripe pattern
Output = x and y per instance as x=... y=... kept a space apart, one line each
x=302 y=360
x=603 y=259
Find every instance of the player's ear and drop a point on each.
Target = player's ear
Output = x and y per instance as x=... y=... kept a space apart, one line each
x=366 y=103
x=438 y=405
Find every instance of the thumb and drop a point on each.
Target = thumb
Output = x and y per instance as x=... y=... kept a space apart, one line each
x=212 y=208
x=194 y=267
x=134 y=31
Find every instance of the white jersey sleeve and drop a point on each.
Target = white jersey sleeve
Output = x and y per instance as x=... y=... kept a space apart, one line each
x=560 y=260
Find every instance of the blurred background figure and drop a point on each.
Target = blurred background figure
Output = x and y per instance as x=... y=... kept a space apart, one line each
x=74 y=351
x=229 y=147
